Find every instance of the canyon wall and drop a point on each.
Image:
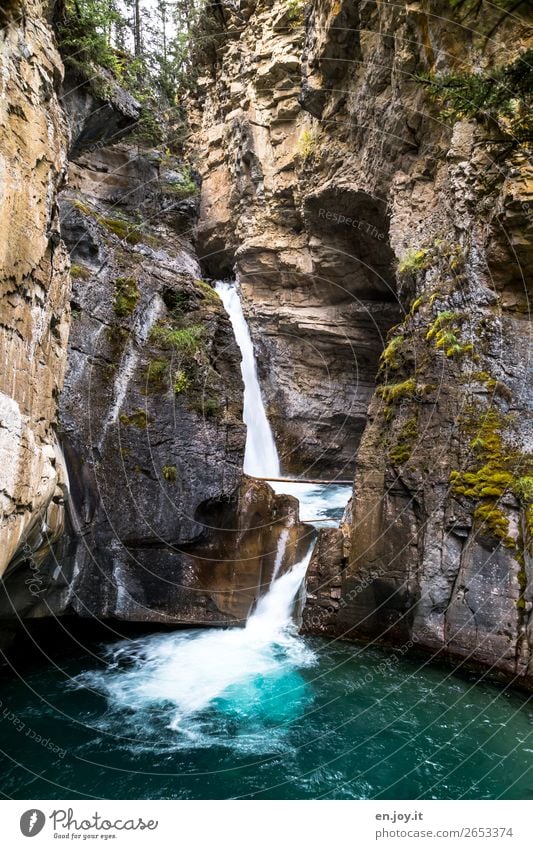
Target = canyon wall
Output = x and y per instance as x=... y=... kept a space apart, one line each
x=319 y=294
x=383 y=250
x=163 y=526
x=131 y=503
x=34 y=285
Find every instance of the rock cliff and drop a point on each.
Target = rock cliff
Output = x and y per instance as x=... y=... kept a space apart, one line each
x=151 y=413
x=34 y=285
x=160 y=523
x=319 y=290
x=383 y=248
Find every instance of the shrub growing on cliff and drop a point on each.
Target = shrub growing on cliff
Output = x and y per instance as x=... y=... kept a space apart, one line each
x=181 y=382
x=502 y=97
x=183 y=187
x=295 y=12
x=307 y=144
x=414 y=260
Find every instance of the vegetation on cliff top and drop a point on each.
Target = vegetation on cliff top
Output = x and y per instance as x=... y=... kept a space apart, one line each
x=153 y=51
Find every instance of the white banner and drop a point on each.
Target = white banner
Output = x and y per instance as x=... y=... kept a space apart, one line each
x=303 y=824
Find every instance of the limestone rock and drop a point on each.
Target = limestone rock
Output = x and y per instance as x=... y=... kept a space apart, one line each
x=34 y=284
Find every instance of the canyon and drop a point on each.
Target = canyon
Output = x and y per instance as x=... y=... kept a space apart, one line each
x=382 y=257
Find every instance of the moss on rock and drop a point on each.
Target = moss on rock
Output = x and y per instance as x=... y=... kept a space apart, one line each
x=496 y=470
x=126 y=296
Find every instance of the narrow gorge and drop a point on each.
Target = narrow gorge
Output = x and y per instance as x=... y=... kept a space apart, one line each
x=266 y=399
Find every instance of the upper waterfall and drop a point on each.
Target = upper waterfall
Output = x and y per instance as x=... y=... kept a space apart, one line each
x=260 y=457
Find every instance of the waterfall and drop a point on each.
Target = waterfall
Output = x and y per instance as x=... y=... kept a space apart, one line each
x=188 y=676
x=189 y=670
x=260 y=456
x=280 y=553
x=320 y=504
x=274 y=612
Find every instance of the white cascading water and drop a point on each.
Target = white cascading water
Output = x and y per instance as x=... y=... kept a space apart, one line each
x=188 y=671
x=178 y=678
x=260 y=456
x=280 y=553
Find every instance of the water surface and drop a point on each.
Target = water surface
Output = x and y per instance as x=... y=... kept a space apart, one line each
x=294 y=718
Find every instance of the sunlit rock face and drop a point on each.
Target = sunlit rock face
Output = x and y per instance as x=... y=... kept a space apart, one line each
x=34 y=284
x=348 y=207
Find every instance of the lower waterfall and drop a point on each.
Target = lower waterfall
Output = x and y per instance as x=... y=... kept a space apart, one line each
x=187 y=672
x=190 y=672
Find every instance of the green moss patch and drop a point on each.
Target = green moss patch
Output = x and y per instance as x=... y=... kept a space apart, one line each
x=391 y=356
x=207 y=292
x=126 y=296
x=139 y=419
x=445 y=333
x=181 y=382
x=496 y=470
x=413 y=261
x=184 y=187
x=156 y=372
x=394 y=392
x=407 y=437
x=120 y=227
x=209 y=408
x=170 y=473
x=415 y=306
x=182 y=340
x=80 y=272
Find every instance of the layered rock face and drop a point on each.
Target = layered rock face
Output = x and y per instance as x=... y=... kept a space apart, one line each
x=436 y=546
x=311 y=255
x=34 y=285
